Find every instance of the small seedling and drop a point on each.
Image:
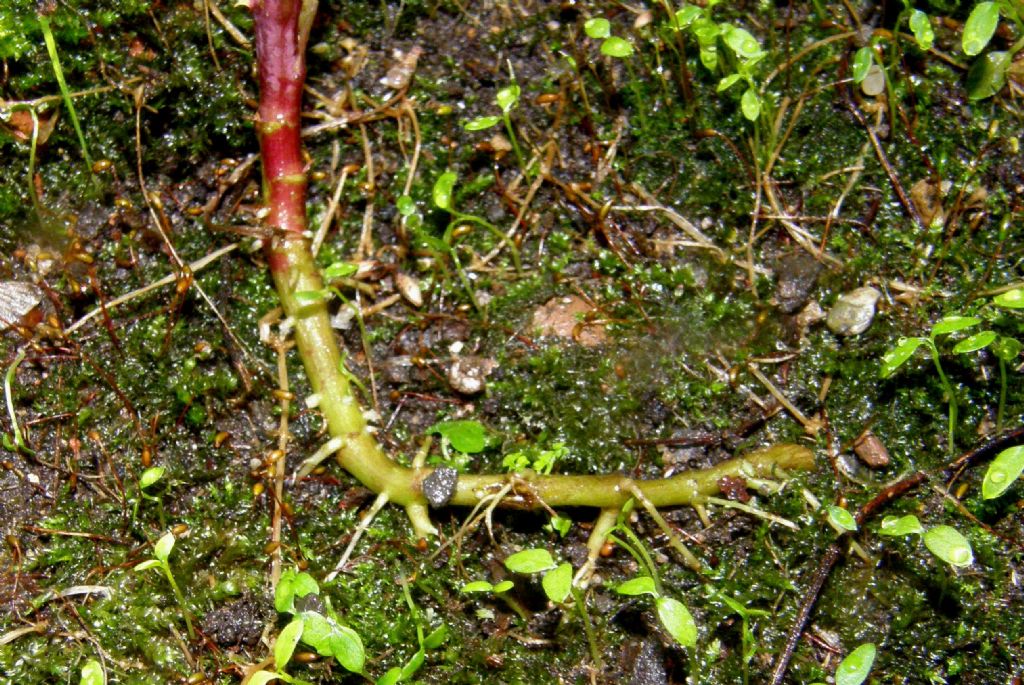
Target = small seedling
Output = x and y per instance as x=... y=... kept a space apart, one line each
x=745 y=49
x=854 y=669
x=897 y=356
x=615 y=47
x=745 y=614
x=945 y=542
x=1005 y=348
x=426 y=642
x=987 y=75
x=298 y=594
x=507 y=99
x=149 y=478
x=161 y=553
x=673 y=614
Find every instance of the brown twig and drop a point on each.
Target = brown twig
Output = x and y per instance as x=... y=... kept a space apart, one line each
x=828 y=560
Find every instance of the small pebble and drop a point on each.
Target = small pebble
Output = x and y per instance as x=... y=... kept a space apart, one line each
x=440 y=485
x=467 y=374
x=853 y=312
x=870 y=450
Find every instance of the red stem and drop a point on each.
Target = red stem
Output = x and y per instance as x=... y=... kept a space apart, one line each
x=282 y=71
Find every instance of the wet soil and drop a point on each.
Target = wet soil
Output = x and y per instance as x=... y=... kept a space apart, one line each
x=692 y=243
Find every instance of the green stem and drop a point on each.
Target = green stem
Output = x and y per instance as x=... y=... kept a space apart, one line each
x=950 y=393
x=51 y=49
x=280 y=41
x=588 y=627
x=180 y=597
x=515 y=143
x=1002 y=395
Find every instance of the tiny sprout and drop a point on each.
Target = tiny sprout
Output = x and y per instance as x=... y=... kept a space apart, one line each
x=949 y=545
x=161 y=554
x=466 y=436
x=862 y=61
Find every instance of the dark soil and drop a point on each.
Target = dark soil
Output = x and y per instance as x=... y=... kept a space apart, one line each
x=650 y=377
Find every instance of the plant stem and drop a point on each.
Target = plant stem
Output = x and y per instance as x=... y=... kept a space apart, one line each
x=1002 y=395
x=180 y=597
x=588 y=627
x=950 y=393
x=51 y=49
x=281 y=27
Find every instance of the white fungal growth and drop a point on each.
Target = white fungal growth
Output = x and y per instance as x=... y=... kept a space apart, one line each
x=313 y=401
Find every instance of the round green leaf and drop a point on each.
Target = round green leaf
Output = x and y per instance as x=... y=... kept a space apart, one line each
x=921 y=27
x=284 y=647
x=162 y=548
x=598 y=27
x=530 y=561
x=150 y=476
x=1011 y=299
x=898 y=355
x=862 y=61
x=503 y=586
x=676 y=619
x=841 y=517
x=987 y=75
x=508 y=97
x=742 y=43
x=1007 y=349
x=684 y=17
x=92 y=673
x=476 y=586
x=1002 y=472
x=479 y=124
x=262 y=677
x=953 y=323
x=948 y=544
x=975 y=342
x=466 y=436
x=557 y=583
x=616 y=47
x=405 y=205
x=980 y=27
x=443 y=189
x=641 y=585
x=900 y=525
x=854 y=669
x=750 y=103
